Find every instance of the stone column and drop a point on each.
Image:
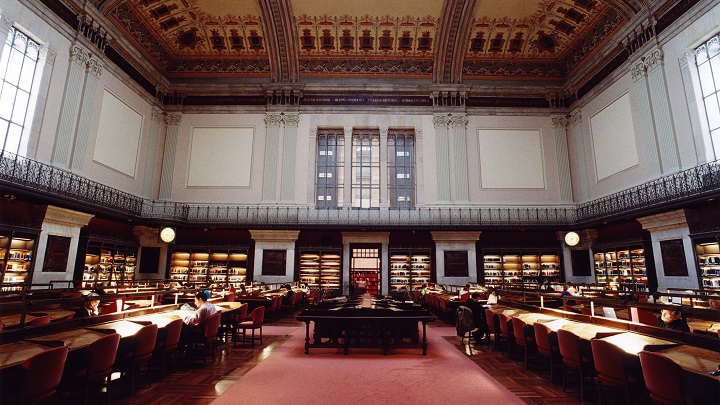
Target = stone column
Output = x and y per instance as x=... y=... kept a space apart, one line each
x=156 y=115
x=458 y=123
x=442 y=157
x=660 y=101
x=582 y=176
x=647 y=124
x=384 y=199
x=287 y=182
x=168 y=165
x=703 y=143
x=94 y=70
x=347 y=168
x=70 y=107
x=272 y=140
x=563 y=160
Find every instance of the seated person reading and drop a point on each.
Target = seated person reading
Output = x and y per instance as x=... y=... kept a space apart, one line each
x=672 y=319
x=194 y=323
x=492 y=296
x=478 y=311
x=90 y=308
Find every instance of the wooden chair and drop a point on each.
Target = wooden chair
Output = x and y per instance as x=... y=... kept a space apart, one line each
x=547 y=348
x=238 y=317
x=639 y=315
x=96 y=367
x=616 y=368
x=42 y=320
x=663 y=378
x=524 y=339
x=135 y=354
x=254 y=321
x=166 y=344
x=37 y=379
x=505 y=334
x=574 y=358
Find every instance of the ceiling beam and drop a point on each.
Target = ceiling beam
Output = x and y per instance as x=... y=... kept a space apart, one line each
x=280 y=39
x=452 y=38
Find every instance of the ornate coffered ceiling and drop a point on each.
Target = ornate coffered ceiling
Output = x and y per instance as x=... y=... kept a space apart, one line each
x=186 y=43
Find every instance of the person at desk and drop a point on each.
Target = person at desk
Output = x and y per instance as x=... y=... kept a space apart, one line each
x=478 y=311
x=672 y=319
x=194 y=323
x=90 y=308
x=288 y=294
x=243 y=290
x=492 y=296
x=714 y=303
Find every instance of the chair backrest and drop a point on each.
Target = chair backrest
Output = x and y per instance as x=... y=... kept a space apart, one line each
x=586 y=310
x=519 y=330
x=639 y=315
x=257 y=315
x=43 y=372
x=490 y=320
x=569 y=347
x=242 y=312
x=102 y=355
x=109 y=309
x=172 y=334
x=145 y=341
x=276 y=302
x=42 y=320
x=230 y=297
x=464 y=297
x=504 y=324
x=663 y=377
x=212 y=325
x=294 y=299
x=542 y=337
x=611 y=362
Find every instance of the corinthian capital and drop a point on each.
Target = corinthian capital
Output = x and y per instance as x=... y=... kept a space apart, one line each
x=654 y=59
x=79 y=55
x=273 y=120
x=575 y=117
x=173 y=118
x=441 y=120
x=94 y=67
x=559 y=121
x=638 y=70
x=458 y=121
x=291 y=120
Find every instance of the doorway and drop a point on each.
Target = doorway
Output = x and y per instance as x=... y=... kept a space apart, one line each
x=365 y=269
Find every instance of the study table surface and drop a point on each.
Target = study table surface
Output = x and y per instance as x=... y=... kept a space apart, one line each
x=634 y=343
x=705 y=326
x=124 y=328
x=588 y=331
x=532 y=317
x=160 y=319
x=73 y=339
x=694 y=359
x=12 y=354
x=10 y=320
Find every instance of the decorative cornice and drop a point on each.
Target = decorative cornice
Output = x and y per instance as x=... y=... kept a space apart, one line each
x=173 y=119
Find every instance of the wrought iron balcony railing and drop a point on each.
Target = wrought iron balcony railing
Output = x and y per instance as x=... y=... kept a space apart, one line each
x=32 y=176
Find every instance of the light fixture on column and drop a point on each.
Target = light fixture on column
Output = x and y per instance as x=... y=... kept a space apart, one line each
x=572 y=238
x=167 y=234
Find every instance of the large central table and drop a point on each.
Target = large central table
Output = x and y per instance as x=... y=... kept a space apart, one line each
x=365 y=327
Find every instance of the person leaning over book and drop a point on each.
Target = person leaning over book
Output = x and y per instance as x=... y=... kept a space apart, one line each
x=672 y=319
x=194 y=323
x=90 y=308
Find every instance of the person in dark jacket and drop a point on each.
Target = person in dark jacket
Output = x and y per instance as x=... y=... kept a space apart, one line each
x=478 y=311
x=672 y=319
x=90 y=308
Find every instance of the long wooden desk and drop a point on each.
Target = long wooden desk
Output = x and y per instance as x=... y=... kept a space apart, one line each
x=74 y=339
x=365 y=327
x=124 y=327
x=12 y=354
x=694 y=359
x=634 y=343
x=12 y=320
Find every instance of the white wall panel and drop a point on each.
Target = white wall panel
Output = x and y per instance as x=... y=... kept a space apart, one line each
x=220 y=157
x=118 y=136
x=511 y=158
x=613 y=138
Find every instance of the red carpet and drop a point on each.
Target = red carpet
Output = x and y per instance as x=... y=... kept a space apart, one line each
x=366 y=376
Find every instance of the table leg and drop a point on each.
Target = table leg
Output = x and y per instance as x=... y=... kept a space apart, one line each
x=424 y=340
x=307 y=337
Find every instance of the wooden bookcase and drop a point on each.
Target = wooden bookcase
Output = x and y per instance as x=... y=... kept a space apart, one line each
x=528 y=269
x=219 y=267
x=17 y=250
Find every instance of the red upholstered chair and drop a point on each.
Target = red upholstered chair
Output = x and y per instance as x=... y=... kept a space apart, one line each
x=547 y=347
x=37 y=379
x=639 y=315
x=464 y=297
x=616 y=368
x=493 y=327
x=505 y=333
x=230 y=297
x=254 y=321
x=524 y=339
x=166 y=343
x=238 y=317
x=586 y=310
x=573 y=357
x=109 y=309
x=274 y=308
x=42 y=320
x=663 y=378
x=136 y=353
x=96 y=367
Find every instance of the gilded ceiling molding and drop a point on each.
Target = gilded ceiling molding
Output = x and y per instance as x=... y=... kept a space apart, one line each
x=107 y=6
x=626 y=9
x=280 y=38
x=452 y=37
